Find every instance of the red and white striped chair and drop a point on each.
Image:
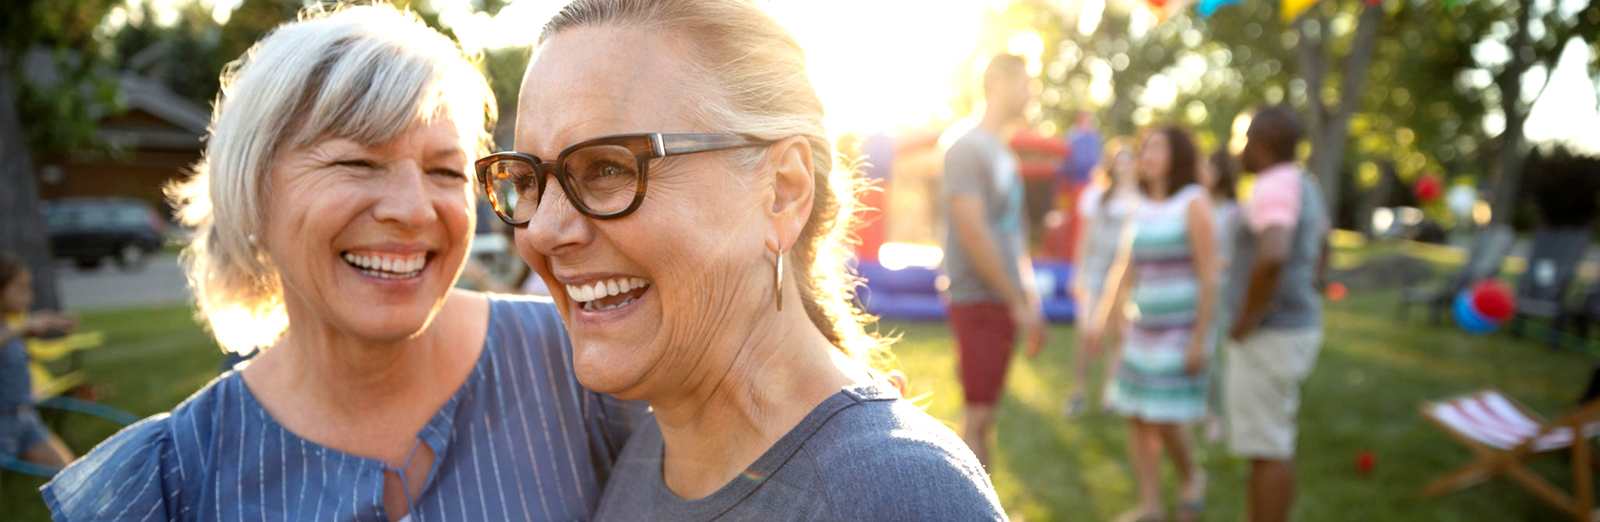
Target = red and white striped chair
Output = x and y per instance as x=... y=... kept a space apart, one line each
x=1504 y=434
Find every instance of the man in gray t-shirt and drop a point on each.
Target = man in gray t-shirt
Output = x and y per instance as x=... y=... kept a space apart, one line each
x=992 y=299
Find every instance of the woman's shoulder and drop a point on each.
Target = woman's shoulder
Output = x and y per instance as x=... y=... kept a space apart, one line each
x=121 y=479
x=887 y=457
x=1190 y=193
x=519 y=320
x=136 y=472
x=139 y=466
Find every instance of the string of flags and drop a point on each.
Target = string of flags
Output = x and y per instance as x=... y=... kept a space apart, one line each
x=1289 y=9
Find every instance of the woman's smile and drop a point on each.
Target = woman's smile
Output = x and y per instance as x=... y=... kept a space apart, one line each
x=387 y=265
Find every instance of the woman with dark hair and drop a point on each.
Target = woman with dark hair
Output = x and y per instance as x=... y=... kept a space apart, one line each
x=1104 y=208
x=1166 y=270
x=1219 y=175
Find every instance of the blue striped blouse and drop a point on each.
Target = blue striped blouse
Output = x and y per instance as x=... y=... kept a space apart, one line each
x=520 y=440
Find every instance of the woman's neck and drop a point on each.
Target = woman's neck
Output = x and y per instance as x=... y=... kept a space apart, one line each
x=379 y=390
x=1157 y=189
x=716 y=428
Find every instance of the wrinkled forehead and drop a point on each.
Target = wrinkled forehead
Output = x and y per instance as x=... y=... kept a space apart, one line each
x=595 y=81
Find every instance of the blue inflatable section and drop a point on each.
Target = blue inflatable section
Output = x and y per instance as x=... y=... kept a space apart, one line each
x=912 y=293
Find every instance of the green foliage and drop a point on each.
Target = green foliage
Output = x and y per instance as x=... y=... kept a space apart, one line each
x=57 y=112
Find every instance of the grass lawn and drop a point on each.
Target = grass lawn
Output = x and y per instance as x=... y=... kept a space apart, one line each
x=1363 y=395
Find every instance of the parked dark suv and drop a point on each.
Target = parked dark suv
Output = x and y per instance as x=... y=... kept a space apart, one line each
x=88 y=230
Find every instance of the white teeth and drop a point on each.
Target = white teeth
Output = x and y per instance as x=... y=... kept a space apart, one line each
x=387 y=267
x=588 y=294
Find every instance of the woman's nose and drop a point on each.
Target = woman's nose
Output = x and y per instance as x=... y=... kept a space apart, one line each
x=406 y=200
x=556 y=225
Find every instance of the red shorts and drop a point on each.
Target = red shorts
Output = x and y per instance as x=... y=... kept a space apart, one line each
x=984 y=338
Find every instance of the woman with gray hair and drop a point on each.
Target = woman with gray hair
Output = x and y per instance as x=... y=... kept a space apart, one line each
x=333 y=213
x=690 y=223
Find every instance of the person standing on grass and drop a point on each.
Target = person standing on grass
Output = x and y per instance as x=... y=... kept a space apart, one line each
x=1104 y=208
x=1280 y=261
x=22 y=434
x=1165 y=275
x=1220 y=178
x=991 y=295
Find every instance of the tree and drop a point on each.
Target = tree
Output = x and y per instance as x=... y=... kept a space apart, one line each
x=1525 y=51
x=33 y=118
x=1328 y=127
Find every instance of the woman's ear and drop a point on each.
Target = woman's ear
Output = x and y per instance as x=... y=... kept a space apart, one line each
x=793 y=190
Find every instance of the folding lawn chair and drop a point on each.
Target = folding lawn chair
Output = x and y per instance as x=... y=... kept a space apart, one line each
x=1504 y=434
x=1542 y=289
x=1483 y=262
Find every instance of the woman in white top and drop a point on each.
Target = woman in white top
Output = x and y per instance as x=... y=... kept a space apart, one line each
x=1218 y=174
x=1104 y=207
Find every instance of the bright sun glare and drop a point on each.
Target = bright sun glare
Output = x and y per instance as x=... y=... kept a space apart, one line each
x=881 y=64
x=876 y=64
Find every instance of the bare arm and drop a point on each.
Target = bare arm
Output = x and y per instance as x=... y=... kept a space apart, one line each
x=38 y=323
x=1322 y=264
x=1118 y=280
x=983 y=251
x=1272 y=251
x=1079 y=277
x=1203 y=245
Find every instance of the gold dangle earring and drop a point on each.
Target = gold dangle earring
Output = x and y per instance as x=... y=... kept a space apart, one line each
x=777 y=281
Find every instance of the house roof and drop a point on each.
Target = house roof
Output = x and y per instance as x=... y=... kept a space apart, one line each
x=134 y=92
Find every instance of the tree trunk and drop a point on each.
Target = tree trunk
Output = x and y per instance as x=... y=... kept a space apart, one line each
x=22 y=227
x=1329 y=130
x=1504 y=204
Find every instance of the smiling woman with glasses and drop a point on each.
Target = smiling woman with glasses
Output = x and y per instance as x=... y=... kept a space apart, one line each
x=696 y=248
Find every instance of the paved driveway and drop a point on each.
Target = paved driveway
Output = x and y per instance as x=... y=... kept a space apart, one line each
x=159 y=283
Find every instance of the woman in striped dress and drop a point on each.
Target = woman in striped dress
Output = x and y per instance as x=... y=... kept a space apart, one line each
x=1166 y=278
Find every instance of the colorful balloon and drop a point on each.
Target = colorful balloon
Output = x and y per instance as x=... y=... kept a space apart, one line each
x=1470 y=320
x=1493 y=300
x=1427 y=187
x=1460 y=200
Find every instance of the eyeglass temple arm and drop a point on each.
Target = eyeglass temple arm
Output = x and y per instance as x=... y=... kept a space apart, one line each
x=674 y=144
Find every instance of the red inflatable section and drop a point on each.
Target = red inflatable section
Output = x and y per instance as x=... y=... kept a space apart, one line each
x=1041 y=156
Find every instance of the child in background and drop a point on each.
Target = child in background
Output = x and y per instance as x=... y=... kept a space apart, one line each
x=1103 y=207
x=1220 y=177
x=22 y=434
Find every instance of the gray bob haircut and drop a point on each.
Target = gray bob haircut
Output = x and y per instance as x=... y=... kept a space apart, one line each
x=365 y=73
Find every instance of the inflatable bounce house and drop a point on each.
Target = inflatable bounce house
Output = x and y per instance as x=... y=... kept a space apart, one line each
x=899 y=254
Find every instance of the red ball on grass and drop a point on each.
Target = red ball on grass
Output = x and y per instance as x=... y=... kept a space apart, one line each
x=1365 y=461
